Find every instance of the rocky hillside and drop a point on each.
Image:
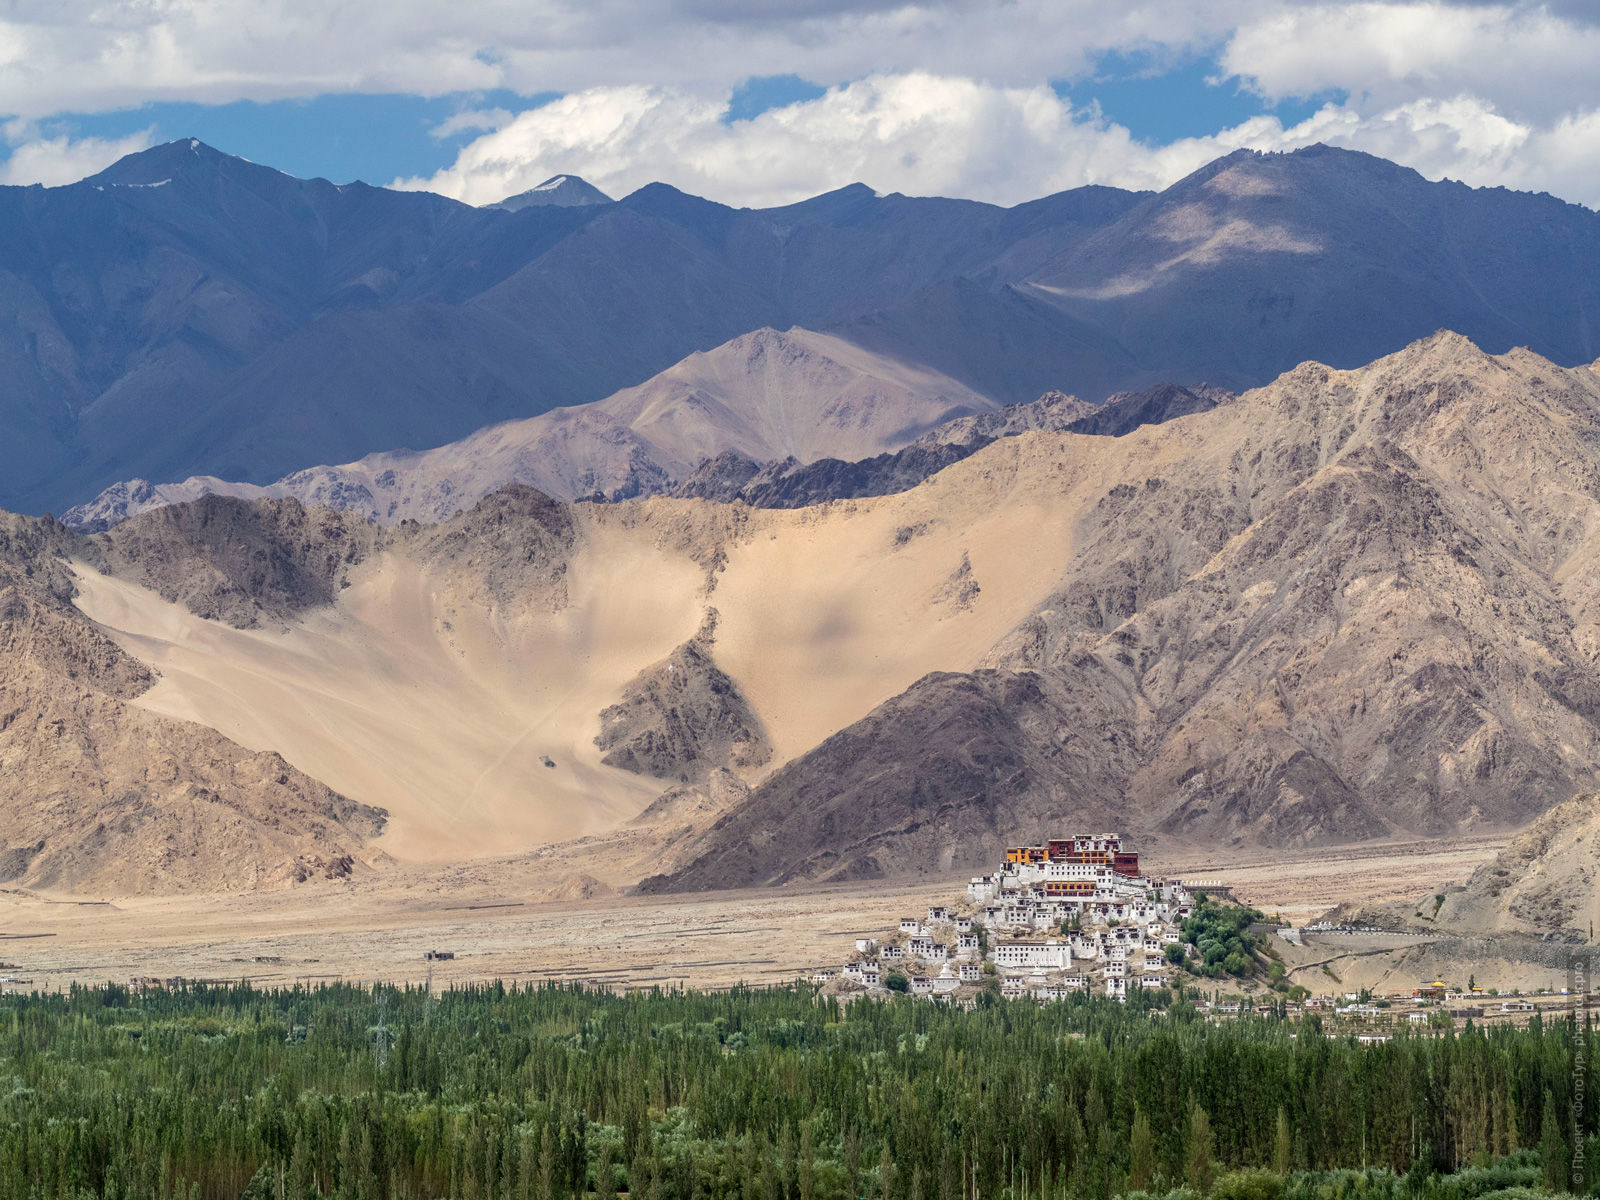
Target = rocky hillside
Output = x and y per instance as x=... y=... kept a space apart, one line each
x=796 y=396
x=682 y=718
x=789 y=483
x=100 y=796
x=230 y=560
x=1349 y=604
x=760 y=395
x=1543 y=883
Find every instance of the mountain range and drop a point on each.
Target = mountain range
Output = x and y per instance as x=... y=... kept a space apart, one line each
x=796 y=396
x=776 y=420
x=1347 y=605
x=185 y=313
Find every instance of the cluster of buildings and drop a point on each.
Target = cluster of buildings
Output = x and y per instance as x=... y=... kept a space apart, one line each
x=1072 y=915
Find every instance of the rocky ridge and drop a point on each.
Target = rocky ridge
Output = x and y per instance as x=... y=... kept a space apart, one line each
x=1348 y=605
x=100 y=796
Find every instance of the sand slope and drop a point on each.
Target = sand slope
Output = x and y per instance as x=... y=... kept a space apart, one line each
x=421 y=690
x=447 y=710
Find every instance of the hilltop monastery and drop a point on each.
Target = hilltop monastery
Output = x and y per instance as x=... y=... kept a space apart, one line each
x=1071 y=915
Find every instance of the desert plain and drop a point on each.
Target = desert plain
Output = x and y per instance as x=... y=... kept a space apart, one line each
x=543 y=917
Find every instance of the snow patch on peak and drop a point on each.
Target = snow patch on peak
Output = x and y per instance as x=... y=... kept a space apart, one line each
x=550 y=185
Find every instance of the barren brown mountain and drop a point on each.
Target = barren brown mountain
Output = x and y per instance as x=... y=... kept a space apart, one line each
x=1351 y=604
x=1346 y=605
x=767 y=394
x=101 y=795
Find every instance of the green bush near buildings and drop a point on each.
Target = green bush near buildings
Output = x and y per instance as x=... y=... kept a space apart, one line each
x=1220 y=934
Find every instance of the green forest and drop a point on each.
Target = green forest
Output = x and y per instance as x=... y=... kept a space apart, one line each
x=553 y=1092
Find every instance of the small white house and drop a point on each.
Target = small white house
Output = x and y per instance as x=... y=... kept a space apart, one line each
x=1047 y=955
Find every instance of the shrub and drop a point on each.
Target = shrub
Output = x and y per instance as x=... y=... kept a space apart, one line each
x=1254 y=1184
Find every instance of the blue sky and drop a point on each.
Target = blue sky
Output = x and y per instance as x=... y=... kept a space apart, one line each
x=340 y=137
x=1160 y=103
x=754 y=103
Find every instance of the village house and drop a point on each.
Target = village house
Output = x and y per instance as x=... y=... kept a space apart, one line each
x=1031 y=954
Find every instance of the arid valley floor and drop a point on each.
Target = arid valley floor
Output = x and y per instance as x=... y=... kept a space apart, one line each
x=497 y=919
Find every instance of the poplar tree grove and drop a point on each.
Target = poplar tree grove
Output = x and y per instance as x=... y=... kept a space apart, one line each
x=553 y=1092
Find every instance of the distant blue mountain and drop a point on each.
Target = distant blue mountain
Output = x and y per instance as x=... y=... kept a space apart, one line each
x=186 y=312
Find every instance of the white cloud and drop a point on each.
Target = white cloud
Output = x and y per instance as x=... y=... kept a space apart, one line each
x=932 y=135
x=470 y=121
x=90 y=55
x=57 y=160
x=915 y=133
x=1528 y=61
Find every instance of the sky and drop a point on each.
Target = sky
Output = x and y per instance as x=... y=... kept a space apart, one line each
x=762 y=102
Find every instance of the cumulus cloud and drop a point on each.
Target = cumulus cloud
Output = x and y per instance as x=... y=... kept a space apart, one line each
x=934 y=135
x=90 y=55
x=916 y=133
x=471 y=120
x=57 y=160
x=1528 y=61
